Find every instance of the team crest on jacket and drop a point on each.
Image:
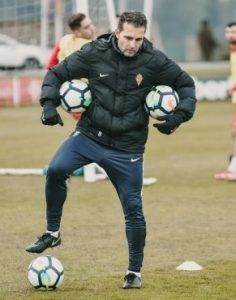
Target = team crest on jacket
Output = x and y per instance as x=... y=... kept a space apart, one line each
x=139 y=79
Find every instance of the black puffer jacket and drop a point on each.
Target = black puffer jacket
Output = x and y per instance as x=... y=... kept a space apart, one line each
x=119 y=85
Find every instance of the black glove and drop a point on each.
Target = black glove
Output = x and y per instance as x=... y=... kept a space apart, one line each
x=169 y=123
x=50 y=116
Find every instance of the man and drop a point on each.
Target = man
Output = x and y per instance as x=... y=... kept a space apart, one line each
x=121 y=68
x=230 y=173
x=206 y=40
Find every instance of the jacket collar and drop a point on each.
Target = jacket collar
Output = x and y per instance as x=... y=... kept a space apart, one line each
x=109 y=40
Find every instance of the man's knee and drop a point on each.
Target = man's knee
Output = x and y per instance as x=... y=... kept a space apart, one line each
x=57 y=171
x=134 y=213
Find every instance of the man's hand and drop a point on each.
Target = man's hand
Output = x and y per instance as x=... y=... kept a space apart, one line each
x=50 y=116
x=169 y=123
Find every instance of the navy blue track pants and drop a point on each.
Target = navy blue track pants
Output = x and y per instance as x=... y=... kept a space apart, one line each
x=125 y=170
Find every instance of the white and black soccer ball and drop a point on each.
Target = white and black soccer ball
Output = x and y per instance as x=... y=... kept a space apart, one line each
x=75 y=96
x=161 y=100
x=45 y=272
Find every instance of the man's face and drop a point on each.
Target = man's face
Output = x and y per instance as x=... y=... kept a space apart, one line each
x=130 y=39
x=87 y=29
x=230 y=34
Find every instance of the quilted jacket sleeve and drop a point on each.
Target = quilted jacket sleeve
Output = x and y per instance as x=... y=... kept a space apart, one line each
x=75 y=66
x=169 y=73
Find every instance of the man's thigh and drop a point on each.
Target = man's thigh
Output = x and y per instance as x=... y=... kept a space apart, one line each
x=125 y=170
x=72 y=154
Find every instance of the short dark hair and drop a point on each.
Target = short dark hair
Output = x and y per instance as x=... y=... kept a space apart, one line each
x=75 y=20
x=135 y=18
x=230 y=24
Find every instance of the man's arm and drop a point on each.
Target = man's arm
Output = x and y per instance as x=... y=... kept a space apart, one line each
x=172 y=75
x=53 y=60
x=75 y=66
x=233 y=76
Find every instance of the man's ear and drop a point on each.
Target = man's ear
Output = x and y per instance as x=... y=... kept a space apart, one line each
x=117 y=32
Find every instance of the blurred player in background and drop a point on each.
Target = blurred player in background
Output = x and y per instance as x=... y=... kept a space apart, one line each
x=230 y=172
x=206 y=40
x=83 y=32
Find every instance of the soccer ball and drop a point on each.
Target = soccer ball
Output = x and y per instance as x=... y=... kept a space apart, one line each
x=75 y=96
x=45 y=272
x=161 y=100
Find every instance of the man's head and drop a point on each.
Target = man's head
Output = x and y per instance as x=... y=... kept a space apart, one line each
x=230 y=32
x=130 y=32
x=82 y=26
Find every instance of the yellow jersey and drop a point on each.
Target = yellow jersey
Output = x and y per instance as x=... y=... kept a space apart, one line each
x=233 y=74
x=69 y=44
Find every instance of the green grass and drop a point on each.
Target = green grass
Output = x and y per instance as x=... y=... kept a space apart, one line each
x=189 y=215
x=208 y=73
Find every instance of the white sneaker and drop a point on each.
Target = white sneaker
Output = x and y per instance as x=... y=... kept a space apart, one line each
x=226 y=175
x=149 y=181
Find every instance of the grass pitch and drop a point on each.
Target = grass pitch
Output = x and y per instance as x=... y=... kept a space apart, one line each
x=189 y=215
